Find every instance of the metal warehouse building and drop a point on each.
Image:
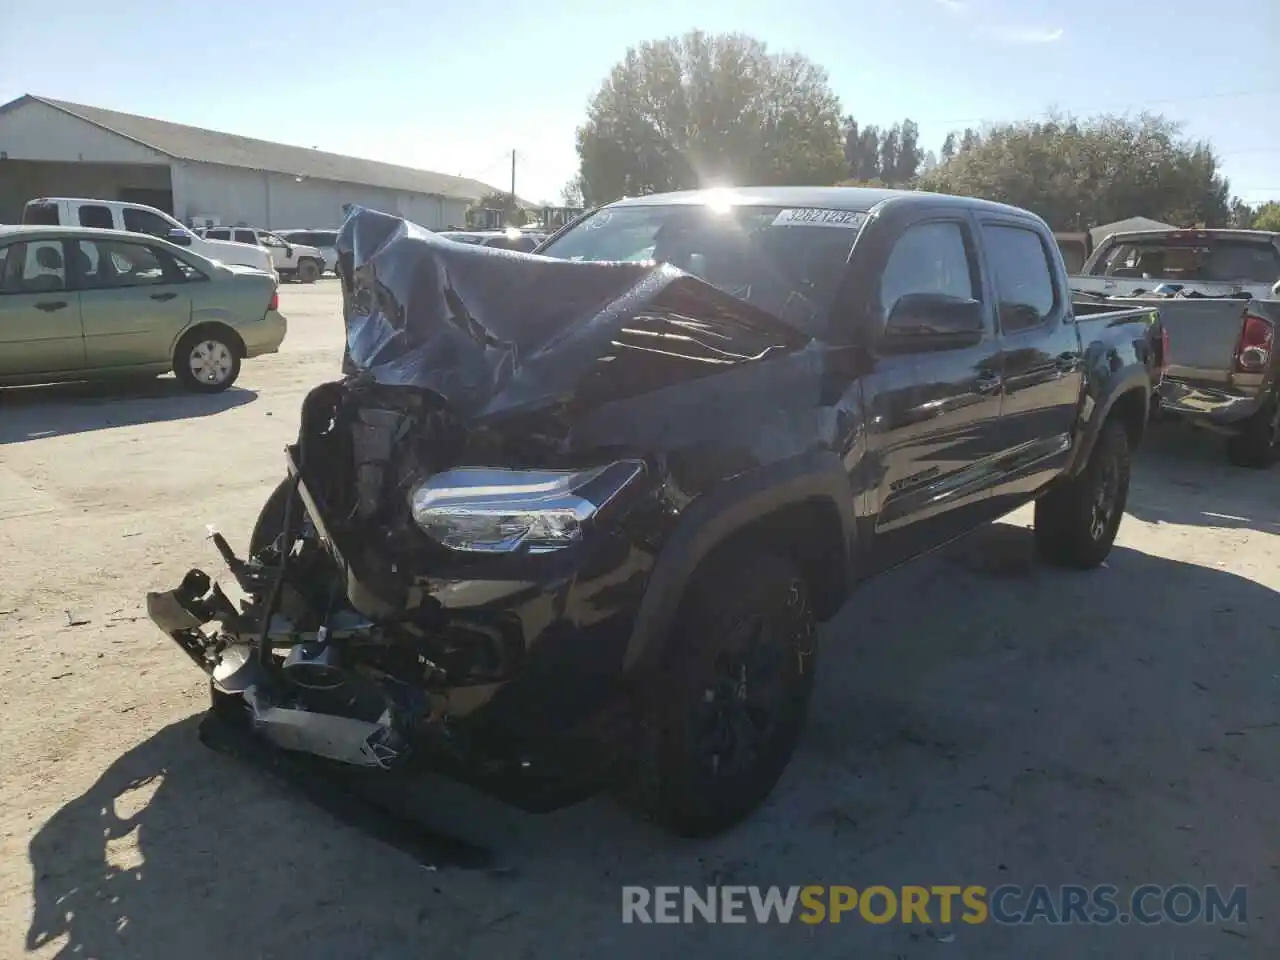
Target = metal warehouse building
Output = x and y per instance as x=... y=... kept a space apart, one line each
x=53 y=148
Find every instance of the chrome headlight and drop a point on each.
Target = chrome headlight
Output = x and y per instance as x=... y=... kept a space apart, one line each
x=493 y=510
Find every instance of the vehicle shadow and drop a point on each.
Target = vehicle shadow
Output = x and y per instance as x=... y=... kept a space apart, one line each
x=1182 y=476
x=1026 y=725
x=59 y=409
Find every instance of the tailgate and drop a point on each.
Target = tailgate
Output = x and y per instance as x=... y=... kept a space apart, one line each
x=1202 y=337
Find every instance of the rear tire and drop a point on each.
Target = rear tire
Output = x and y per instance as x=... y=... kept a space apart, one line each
x=1258 y=445
x=731 y=703
x=1076 y=523
x=308 y=271
x=206 y=361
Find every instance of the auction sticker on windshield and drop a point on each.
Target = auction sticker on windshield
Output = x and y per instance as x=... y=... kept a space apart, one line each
x=814 y=217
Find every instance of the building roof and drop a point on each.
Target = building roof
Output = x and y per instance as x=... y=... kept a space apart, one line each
x=198 y=145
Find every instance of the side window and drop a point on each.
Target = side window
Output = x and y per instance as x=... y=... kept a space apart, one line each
x=271 y=240
x=144 y=221
x=92 y=215
x=928 y=258
x=112 y=264
x=1023 y=281
x=245 y=236
x=217 y=233
x=33 y=267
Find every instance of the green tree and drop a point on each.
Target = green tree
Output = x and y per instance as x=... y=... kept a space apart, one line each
x=701 y=110
x=891 y=155
x=513 y=214
x=949 y=147
x=572 y=193
x=1078 y=174
x=1267 y=217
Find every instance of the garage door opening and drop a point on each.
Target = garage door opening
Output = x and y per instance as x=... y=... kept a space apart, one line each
x=23 y=180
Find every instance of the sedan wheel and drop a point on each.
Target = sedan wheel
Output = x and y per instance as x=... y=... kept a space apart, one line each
x=206 y=362
x=211 y=362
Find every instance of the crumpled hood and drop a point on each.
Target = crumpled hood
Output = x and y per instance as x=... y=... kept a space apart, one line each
x=491 y=329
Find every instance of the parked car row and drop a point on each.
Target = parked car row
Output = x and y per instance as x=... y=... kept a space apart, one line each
x=523 y=240
x=292 y=260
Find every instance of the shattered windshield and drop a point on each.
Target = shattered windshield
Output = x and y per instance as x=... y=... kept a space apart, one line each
x=787 y=261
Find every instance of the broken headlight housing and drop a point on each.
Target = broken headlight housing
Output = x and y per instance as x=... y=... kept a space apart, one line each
x=495 y=510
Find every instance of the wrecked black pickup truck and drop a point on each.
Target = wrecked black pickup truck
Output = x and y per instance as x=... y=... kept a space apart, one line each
x=573 y=521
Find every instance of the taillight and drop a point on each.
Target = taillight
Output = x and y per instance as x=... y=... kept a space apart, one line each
x=274 y=304
x=1164 y=349
x=1253 y=352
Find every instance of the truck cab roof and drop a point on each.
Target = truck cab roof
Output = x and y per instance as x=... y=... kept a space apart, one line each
x=854 y=199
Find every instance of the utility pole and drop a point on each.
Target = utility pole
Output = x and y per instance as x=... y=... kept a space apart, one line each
x=513 y=184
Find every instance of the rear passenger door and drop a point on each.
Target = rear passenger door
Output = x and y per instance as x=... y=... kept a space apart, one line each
x=1039 y=352
x=40 y=329
x=134 y=301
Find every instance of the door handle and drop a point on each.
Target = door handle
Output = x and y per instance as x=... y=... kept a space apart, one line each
x=989 y=383
x=48 y=306
x=163 y=296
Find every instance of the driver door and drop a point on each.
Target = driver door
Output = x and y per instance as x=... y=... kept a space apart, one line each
x=933 y=414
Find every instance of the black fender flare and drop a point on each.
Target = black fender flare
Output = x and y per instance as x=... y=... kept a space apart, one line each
x=714 y=517
x=1130 y=380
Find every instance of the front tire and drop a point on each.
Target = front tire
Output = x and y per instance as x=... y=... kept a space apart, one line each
x=206 y=361
x=1076 y=523
x=1258 y=445
x=732 y=701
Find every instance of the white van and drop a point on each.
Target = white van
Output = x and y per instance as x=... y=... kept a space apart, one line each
x=137 y=218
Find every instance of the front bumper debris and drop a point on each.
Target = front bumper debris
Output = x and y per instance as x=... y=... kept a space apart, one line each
x=182 y=614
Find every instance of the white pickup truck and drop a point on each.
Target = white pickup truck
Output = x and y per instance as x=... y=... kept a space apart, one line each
x=1207 y=263
x=137 y=218
x=292 y=261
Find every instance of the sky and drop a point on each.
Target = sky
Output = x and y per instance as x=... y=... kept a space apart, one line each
x=455 y=87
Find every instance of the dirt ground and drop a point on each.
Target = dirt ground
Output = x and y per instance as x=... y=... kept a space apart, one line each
x=1023 y=725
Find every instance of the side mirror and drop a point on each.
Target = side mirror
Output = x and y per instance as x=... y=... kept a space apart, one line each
x=288 y=251
x=180 y=237
x=932 y=321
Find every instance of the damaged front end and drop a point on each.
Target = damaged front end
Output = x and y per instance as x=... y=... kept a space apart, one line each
x=452 y=568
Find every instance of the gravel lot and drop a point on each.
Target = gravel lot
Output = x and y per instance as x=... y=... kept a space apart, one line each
x=1023 y=726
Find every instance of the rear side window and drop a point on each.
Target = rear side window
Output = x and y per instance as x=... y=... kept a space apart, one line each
x=217 y=234
x=184 y=269
x=112 y=264
x=245 y=236
x=41 y=214
x=95 y=216
x=928 y=258
x=1020 y=270
x=144 y=221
